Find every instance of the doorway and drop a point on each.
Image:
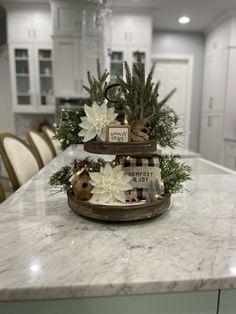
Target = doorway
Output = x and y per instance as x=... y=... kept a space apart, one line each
x=176 y=72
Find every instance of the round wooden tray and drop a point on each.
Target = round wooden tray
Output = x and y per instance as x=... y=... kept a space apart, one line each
x=119 y=213
x=124 y=149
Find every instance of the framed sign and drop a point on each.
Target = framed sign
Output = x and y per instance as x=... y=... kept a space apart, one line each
x=118 y=133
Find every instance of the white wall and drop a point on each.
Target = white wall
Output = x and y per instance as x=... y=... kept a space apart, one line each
x=186 y=43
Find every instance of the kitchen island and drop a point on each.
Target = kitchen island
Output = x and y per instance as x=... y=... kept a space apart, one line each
x=182 y=262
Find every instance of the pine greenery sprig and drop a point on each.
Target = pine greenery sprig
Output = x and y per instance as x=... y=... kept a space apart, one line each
x=174 y=173
x=68 y=127
x=62 y=176
x=140 y=100
x=97 y=86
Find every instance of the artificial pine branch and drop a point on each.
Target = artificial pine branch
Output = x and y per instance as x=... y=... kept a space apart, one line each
x=174 y=173
x=68 y=127
x=97 y=86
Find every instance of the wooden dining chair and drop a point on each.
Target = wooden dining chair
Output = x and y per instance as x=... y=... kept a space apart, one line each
x=54 y=143
x=40 y=147
x=20 y=162
x=2 y=193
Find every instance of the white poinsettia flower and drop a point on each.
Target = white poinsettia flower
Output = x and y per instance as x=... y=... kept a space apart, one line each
x=109 y=184
x=96 y=120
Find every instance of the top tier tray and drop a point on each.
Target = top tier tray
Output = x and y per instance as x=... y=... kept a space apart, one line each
x=128 y=148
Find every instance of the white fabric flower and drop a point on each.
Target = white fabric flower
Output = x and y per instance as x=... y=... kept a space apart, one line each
x=96 y=120
x=109 y=185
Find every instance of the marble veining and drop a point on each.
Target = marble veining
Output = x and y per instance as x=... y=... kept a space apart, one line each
x=46 y=251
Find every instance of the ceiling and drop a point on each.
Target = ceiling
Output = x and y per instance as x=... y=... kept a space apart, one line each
x=202 y=12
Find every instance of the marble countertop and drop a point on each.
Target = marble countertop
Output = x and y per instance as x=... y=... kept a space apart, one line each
x=47 y=251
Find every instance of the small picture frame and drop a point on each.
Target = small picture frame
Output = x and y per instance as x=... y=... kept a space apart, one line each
x=118 y=133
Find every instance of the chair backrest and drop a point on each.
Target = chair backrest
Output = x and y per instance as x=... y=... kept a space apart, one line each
x=2 y=193
x=55 y=144
x=40 y=147
x=18 y=159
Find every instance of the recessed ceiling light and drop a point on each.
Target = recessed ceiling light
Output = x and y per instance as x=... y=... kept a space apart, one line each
x=184 y=20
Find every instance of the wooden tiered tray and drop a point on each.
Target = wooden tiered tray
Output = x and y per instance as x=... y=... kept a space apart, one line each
x=119 y=213
x=123 y=149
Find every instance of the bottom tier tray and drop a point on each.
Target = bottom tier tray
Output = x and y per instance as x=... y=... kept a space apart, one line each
x=119 y=213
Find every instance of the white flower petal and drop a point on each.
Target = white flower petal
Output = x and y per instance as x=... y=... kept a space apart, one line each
x=102 y=135
x=95 y=176
x=98 y=190
x=89 y=135
x=120 y=196
x=108 y=171
x=89 y=111
x=126 y=187
x=85 y=125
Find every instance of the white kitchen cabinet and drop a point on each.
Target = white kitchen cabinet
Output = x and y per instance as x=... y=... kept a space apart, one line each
x=230 y=112
x=131 y=33
x=29 y=24
x=66 y=20
x=73 y=59
x=31 y=78
x=215 y=82
x=76 y=19
x=230 y=154
x=66 y=70
x=211 y=138
x=129 y=54
x=219 y=92
x=92 y=50
x=218 y=38
x=131 y=29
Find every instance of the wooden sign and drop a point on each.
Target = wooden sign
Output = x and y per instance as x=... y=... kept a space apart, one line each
x=118 y=133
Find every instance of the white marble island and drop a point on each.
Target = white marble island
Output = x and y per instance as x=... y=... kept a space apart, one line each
x=47 y=252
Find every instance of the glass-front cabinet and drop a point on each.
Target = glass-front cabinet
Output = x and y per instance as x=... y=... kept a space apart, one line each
x=22 y=72
x=119 y=55
x=116 y=69
x=45 y=77
x=31 y=78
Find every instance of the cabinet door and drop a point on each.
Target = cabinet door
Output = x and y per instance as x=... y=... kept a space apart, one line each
x=215 y=82
x=145 y=56
x=211 y=140
x=139 y=30
x=227 y=301
x=131 y=30
x=230 y=112
x=92 y=50
x=66 y=56
x=117 y=63
x=119 y=30
x=23 y=89
x=41 y=27
x=66 y=18
x=230 y=154
x=219 y=81
x=44 y=78
x=19 y=28
x=208 y=88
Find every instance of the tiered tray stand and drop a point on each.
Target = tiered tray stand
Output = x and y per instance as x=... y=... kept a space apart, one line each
x=122 y=212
